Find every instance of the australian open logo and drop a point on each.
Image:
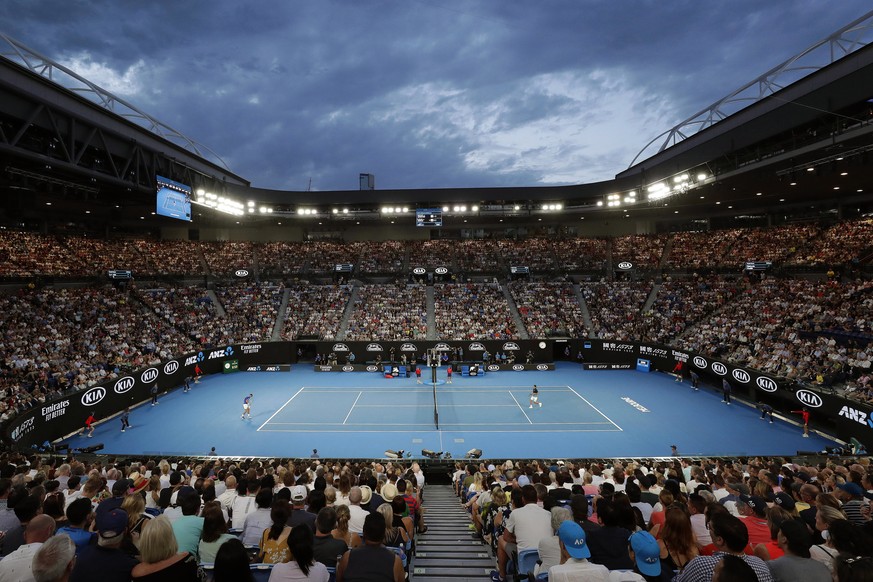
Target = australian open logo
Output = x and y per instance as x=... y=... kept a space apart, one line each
x=476 y=347
x=493 y=367
x=372 y=368
x=93 y=396
x=511 y=347
x=171 y=367
x=766 y=384
x=719 y=368
x=408 y=348
x=348 y=368
x=149 y=376
x=442 y=347
x=340 y=348
x=441 y=270
x=518 y=367
x=625 y=265
x=418 y=271
x=741 y=376
x=699 y=362
x=809 y=398
x=542 y=367
x=374 y=348
x=123 y=385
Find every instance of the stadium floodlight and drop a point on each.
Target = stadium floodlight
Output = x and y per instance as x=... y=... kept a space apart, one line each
x=474 y=208
x=517 y=207
x=335 y=211
x=445 y=208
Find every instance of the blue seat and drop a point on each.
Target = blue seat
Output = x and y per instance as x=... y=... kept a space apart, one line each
x=261 y=572
x=527 y=561
x=400 y=552
x=332 y=572
x=153 y=511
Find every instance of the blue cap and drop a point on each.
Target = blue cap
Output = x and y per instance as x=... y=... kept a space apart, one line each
x=572 y=536
x=852 y=489
x=646 y=552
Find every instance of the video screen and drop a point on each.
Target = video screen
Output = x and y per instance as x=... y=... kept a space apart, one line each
x=429 y=217
x=173 y=199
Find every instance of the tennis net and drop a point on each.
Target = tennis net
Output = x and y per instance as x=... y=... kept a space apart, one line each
x=436 y=412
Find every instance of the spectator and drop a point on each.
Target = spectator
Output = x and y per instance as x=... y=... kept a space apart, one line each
x=273 y=545
x=17 y=566
x=371 y=560
x=525 y=527
x=214 y=533
x=79 y=516
x=232 y=563
x=105 y=561
x=54 y=560
x=302 y=566
x=730 y=538
x=796 y=564
x=326 y=548
x=161 y=559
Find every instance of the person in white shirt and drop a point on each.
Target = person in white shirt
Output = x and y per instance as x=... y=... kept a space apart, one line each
x=525 y=527
x=73 y=491
x=229 y=495
x=18 y=565
x=242 y=506
x=574 y=557
x=358 y=514
x=257 y=521
x=54 y=560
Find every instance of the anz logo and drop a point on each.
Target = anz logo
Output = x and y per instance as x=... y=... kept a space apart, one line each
x=741 y=376
x=542 y=367
x=149 y=376
x=858 y=416
x=124 y=385
x=171 y=367
x=766 y=384
x=340 y=348
x=809 y=398
x=93 y=396
x=719 y=368
x=700 y=362
x=518 y=367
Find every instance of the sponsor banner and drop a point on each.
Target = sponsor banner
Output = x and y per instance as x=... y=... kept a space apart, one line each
x=269 y=368
x=348 y=368
x=519 y=367
x=540 y=351
x=588 y=366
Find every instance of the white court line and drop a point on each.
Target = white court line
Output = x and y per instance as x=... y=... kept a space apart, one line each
x=280 y=409
x=392 y=405
x=441 y=424
x=419 y=431
x=527 y=388
x=595 y=408
x=353 y=407
x=519 y=407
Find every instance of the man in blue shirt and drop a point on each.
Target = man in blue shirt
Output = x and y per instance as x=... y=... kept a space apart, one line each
x=78 y=516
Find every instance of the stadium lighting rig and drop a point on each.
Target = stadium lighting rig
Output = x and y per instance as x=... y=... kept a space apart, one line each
x=219 y=203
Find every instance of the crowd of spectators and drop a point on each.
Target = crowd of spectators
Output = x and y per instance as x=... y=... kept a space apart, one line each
x=643 y=250
x=281 y=259
x=314 y=311
x=472 y=311
x=575 y=254
x=536 y=253
x=156 y=519
x=250 y=313
x=389 y=312
x=842 y=243
x=615 y=308
x=714 y=249
x=775 y=244
x=548 y=309
x=324 y=256
x=765 y=519
x=58 y=339
x=226 y=257
x=383 y=257
x=789 y=328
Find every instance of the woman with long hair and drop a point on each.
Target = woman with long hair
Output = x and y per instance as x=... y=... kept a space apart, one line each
x=153 y=492
x=771 y=550
x=395 y=536
x=274 y=541
x=161 y=559
x=302 y=565
x=343 y=515
x=825 y=518
x=134 y=505
x=345 y=486
x=665 y=498
x=677 y=542
x=214 y=532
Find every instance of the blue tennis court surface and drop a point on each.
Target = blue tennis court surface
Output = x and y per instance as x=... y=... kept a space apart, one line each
x=584 y=414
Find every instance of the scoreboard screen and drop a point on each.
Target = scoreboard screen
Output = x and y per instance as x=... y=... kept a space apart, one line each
x=428 y=217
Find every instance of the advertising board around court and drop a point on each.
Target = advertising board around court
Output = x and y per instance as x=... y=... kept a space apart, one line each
x=538 y=351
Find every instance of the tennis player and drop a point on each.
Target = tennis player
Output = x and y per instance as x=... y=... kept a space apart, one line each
x=247 y=407
x=89 y=425
x=535 y=398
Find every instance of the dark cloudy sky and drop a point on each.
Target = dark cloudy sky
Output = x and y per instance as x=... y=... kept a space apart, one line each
x=423 y=93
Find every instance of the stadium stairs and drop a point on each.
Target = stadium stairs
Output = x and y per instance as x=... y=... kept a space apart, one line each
x=449 y=551
x=350 y=308
x=219 y=308
x=431 y=313
x=653 y=294
x=513 y=310
x=586 y=315
x=280 y=317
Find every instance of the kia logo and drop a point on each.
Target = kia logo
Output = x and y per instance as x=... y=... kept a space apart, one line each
x=741 y=376
x=372 y=368
x=93 y=396
x=766 y=384
x=719 y=368
x=542 y=367
x=441 y=270
x=699 y=362
x=149 y=376
x=517 y=367
x=340 y=348
x=418 y=271
x=171 y=367
x=809 y=398
x=348 y=368
x=625 y=265
x=442 y=347
x=241 y=273
x=124 y=384
x=493 y=368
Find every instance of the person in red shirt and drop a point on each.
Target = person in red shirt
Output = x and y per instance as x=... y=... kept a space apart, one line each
x=89 y=425
x=418 y=374
x=449 y=375
x=677 y=371
x=805 y=415
x=753 y=515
